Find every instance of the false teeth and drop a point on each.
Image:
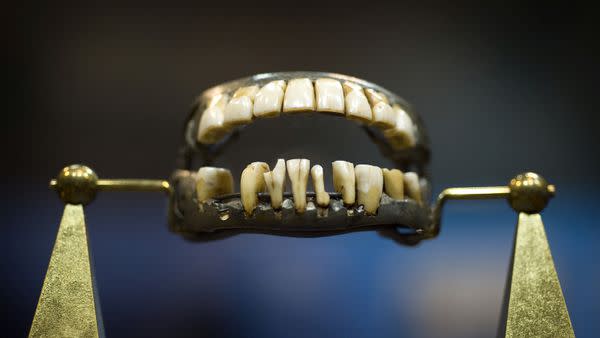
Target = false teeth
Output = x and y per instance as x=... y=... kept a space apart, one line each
x=252 y=182
x=357 y=105
x=393 y=183
x=299 y=96
x=318 y=182
x=330 y=96
x=384 y=116
x=375 y=97
x=369 y=187
x=298 y=170
x=211 y=127
x=344 y=180
x=268 y=100
x=412 y=186
x=402 y=135
x=275 y=182
x=212 y=182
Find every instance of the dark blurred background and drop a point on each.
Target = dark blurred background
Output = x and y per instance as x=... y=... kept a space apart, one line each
x=502 y=89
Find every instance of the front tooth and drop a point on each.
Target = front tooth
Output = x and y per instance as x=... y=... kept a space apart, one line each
x=238 y=111
x=330 y=96
x=212 y=182
x=252 y=182
x=393 y=183
x=344 y=180
x=211 y=128
x=412 y=187
x=268 y=100
x=298 y=170
x=357 y=105
x=317 y=177
x=384 y=116
x=375 y=97
x=299 y=96
x=275 y=182
x=402 y=135
x=369 y=187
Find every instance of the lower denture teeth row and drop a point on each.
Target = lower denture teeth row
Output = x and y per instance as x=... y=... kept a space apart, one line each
x=223 y=113
x=360 y=185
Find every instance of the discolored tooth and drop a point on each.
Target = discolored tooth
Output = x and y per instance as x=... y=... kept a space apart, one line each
x=275 y=182
x=249 y=91
x=298 y=170
x=403 y=134
x=318 y=182
x=375 y=97
x=211 y=128
x=299 y=96
x=268 y=100
x=344 y=180
x=350 y=87
x=330 y=96
x=412 y=186
x=393 y=183
x=357 y=107
x=251 y=183
x=238 y=111
x=369 y=187
x=212 y=182
x=384 y=116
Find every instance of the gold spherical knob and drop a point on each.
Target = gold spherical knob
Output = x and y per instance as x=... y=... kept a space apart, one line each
x=76 y=184
x=529 y=193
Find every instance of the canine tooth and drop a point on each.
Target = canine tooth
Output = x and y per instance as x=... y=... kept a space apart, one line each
x=268 y=100
x=412 y=186
x=375 y=97
x=211 y=128
x=238 y=111
x=251 y=183
x=212 y=182
x=384 y=116
x=344 y=180
x=330 y=96
x=275 y=182
x=299 y=96
x=393 y=183
x=369 y=187
x=318 y=182
x=357 y=106
x=402 y=135
x=298 y=170
x=249 y=91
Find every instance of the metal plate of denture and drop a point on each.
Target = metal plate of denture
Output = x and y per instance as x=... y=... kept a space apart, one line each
x=226 y=215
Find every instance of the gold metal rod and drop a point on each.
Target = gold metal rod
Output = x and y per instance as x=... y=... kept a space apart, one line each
x=133 y=185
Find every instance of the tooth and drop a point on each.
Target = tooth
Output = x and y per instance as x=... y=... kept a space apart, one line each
x=211 y=128
x=369 y=187
x=402 y=135
x=238 y=111
x=393 y=183
x=298 y=170
x=212 y=182
x=344 y=180
x=251 y=183
x=299 y=96
x=330 y=96
x=317 y=177
x=275 y=182
x=268 y=100
x=375 y=97
x=384 y=116
x=412 y=187
x=249 y=91
x=357 y=105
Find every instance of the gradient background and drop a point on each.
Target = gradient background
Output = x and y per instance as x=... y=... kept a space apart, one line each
x=502 y=89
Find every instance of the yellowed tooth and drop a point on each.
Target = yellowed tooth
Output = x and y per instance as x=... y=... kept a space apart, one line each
x=238 y=111
x=393 y=183
x=211 y=128
x=350 y=87
x=369 y=187
x=318 y=182
x=412 y=186
x=298 y=170
x=344 y=180
x=330 y=96
x=212 y=182
x=251 y=183
x=375 y=97
x=268 y=100
x=249 y=91
x=384 y=116
x=275 y=182
x=357 y=105
x=403 y=134
x=299 y=96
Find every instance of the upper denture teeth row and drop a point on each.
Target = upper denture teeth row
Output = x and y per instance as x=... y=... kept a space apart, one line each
x=360 y=185
x=224 y=112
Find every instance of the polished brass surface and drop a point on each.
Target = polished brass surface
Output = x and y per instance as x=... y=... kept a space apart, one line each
x=67 y=307
x=536 y=307
x=530 y=193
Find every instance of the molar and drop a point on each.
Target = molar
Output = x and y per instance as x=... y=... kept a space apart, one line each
x=412 y=186
x=393 y=183
x=212 y=182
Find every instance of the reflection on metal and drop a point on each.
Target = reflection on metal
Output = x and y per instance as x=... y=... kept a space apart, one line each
x=67 y=306
x=536 y=307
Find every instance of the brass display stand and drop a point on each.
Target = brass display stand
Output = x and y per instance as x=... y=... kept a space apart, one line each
x=68 y=305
